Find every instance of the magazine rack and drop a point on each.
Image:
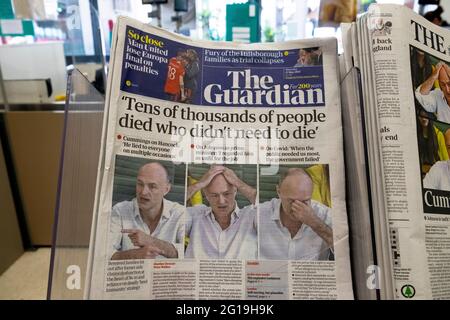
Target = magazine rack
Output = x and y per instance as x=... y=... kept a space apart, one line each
x=76 y=188
x=77 y=180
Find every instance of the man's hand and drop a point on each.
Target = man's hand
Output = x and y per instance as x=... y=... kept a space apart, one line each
x=209 y=175
x=446 y=68
x=146 y=252
x=138 y=237
x=439 y=66
x=232 y=178
x=305 y=214
x=205 y=180
x=427 y=85
x=246 y=190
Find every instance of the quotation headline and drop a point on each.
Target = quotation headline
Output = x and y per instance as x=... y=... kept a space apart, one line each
x=305 y=124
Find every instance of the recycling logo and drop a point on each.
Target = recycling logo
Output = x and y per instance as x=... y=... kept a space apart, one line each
x=408 y=291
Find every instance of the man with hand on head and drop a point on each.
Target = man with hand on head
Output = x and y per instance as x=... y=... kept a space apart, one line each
x=436 y=101
x=149 y=226
x=222 y=230
x=293 y=226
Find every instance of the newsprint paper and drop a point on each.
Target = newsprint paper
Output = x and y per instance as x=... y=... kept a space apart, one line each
x=405 y=66
x=222 y=173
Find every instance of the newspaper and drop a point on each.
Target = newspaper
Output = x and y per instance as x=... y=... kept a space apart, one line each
x=404 y=62
x=222 y=173
x=362 y=240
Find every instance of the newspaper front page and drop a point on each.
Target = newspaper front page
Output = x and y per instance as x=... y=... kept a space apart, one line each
x=412 y=83
x=222 y=174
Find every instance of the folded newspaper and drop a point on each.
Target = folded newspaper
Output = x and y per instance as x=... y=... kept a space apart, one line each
x=221 y=173
x=405 y=77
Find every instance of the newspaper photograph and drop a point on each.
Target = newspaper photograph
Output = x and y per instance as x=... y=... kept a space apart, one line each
x=431 y=80
x=412 y=120
x=223 y=171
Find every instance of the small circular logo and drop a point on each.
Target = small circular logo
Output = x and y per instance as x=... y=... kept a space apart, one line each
x=128 y=83
x=286 y=53
x=408 y=291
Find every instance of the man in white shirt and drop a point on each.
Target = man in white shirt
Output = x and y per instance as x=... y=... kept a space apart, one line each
x=148 y=226
x=223 y=230
x=438 y=177
x=293 y=226
x=436 y=101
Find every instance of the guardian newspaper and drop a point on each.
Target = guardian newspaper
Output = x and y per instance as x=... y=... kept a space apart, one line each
x=222 y=173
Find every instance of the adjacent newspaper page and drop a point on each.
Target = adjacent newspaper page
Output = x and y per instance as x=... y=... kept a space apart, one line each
x=380 y=274
x=223 y=174
x=363 y=247
x=412 y=81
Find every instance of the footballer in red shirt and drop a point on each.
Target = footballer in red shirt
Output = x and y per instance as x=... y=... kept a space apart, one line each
x=174 y=86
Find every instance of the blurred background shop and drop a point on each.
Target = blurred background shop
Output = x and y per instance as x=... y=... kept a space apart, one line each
x=40 y=40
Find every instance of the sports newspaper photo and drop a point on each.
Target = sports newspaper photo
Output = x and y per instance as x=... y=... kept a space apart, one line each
x=222 y=172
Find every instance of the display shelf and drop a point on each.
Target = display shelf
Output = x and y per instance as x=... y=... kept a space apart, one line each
x=76 y=188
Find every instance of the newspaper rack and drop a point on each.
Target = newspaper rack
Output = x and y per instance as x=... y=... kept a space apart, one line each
x=76 y=188
x=77 y=180
x=363 y=250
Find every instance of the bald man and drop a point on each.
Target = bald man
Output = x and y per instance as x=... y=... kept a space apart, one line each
x=436 y=101
x=293 y=226
x=223 y=230
x=149 y=226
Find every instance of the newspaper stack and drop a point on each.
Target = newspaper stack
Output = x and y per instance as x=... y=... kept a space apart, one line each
x=404 y=137
x=221 y=173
